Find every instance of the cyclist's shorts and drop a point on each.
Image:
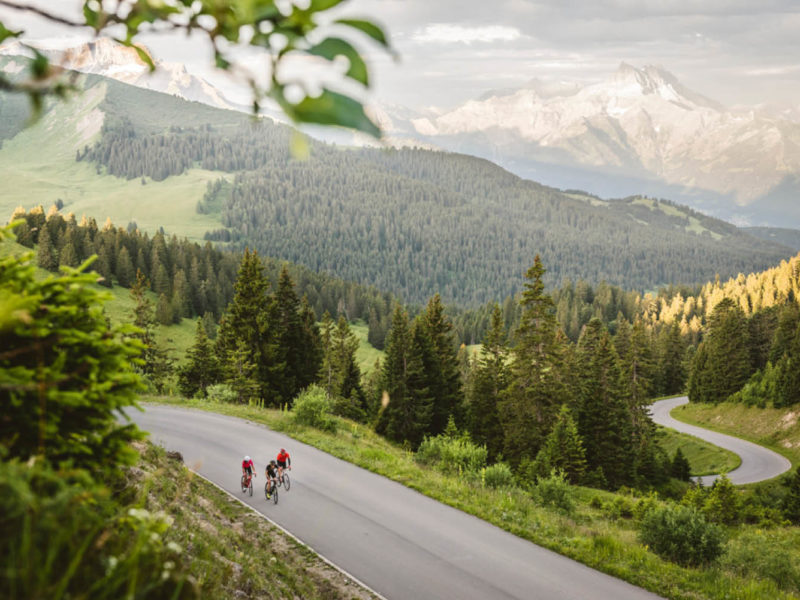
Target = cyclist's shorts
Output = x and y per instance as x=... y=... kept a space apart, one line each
x=281 y=464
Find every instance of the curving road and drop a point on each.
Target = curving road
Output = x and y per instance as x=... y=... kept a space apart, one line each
x=758 y=463
x=400 y=543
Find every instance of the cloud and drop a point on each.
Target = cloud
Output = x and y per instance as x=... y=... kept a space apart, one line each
x=445 y=33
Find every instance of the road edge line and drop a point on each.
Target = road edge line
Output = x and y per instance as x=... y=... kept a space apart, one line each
x=291 y=535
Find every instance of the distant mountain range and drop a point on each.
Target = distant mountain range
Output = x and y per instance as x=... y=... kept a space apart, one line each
x=638 y=132
x=410 y=221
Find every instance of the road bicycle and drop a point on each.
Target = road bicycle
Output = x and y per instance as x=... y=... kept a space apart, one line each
x=271 y=492
x=283 y=480
x=247 y=484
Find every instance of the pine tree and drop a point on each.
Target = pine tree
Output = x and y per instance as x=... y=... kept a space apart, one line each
x=163 y=310
x=406 y=415
x=310 y=356
x=156 y=363
x=241 y=373
x=349 y=397
x=671 y=371
x=787 y=390
x=726 y=360
x=603 y=416
x=637 y=368
x=201 y=369
x=46 y=256
x=125 y=272
x=488 y=382
x=562 y=450
x=248 y=326
x=444 y=380
x=680 y=467
x=289 y=336
x=68 y=256
x=537 y=388
x=326 y=343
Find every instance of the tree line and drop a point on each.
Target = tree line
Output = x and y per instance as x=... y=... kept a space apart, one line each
x=534 y=399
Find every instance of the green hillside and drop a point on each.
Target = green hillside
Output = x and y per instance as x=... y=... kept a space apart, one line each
x=412 y=222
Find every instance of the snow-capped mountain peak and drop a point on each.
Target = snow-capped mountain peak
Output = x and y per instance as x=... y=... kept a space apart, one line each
x=108 y=58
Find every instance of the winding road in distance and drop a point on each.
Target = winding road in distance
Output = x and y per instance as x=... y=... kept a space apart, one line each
x=758 y=463
x=398 y=542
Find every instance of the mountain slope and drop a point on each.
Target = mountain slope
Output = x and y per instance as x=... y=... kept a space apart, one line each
x=640 y=131
x=413 y=222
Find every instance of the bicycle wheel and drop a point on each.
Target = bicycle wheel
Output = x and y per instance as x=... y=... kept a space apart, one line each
x=286 y=482
x=275 y=492
x=266 y=490
x=244 y=486
x=250 y=487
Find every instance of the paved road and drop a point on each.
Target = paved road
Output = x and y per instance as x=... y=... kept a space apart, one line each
x=758 y=463
x=400 y=543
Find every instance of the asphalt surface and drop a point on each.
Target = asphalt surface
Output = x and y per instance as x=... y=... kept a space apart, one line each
x=758 y=463
x=398 y=542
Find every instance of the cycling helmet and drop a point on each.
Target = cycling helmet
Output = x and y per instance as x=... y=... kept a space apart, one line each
x=273 y=463
x=246 y=459
x=282 y=450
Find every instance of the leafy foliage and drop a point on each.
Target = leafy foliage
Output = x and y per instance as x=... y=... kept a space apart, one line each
x=65 y=374
x=681 y=534
x=313 y=408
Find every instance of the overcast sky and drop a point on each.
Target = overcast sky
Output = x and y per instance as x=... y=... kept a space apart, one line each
x=734 y=51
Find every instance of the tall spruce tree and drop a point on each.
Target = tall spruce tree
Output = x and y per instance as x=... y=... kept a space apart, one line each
x=156 y=363
x=603 y=415
x=248 y=327
x=726 y=363
x=407 y=412
x=46 y=253
x=537 y=387
x=444 y=380
x=671 y=351
x=488 y=381
x=201 y=368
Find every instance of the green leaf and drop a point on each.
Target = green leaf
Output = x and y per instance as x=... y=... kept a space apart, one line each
x=332 y=108
x=370 y=29
x=318 y=5
x=143 y=55
x=7 y=33
x=330 y=48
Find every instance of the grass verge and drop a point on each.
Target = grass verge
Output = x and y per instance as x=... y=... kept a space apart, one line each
x=775 y=428
x=600 y=532
x=704 y=458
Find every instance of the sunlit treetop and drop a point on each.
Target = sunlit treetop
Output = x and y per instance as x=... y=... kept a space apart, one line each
x=280 y=29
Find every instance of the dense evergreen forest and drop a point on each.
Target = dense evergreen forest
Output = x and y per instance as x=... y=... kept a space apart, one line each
x=190 y=280
x=416 y=222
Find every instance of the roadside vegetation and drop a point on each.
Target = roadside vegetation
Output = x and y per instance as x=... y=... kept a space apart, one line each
x=740 y=549
x=704 y=458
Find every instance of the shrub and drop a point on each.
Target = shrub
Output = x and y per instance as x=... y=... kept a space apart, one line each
x=555 y=491
x=645 y=505
x=222 y=392
x=313 y=408
x=723 y=502
x=682 y=535
x=454 y=455
x=498 y=475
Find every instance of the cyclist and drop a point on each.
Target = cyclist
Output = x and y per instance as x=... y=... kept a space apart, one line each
x=284 y=460
x=248 y=469
x=272 y=474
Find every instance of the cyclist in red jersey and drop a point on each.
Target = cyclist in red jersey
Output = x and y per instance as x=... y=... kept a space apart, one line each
x=284 y=460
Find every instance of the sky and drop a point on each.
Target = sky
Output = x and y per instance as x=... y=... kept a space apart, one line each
x=738 y=52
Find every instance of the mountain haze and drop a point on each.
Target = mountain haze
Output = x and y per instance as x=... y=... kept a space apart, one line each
x=639 y=131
